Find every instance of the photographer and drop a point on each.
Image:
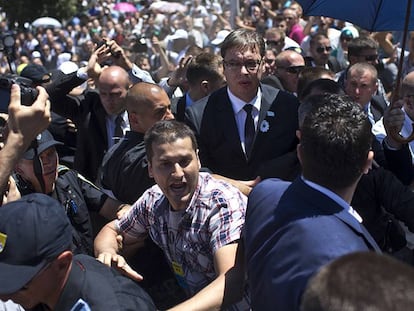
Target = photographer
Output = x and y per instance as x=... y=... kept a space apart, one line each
x=23 y=124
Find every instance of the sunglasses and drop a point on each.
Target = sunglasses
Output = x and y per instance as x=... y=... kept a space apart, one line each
x=322 y=49
x=269 y=61
x=273 y=42
x=293 y=69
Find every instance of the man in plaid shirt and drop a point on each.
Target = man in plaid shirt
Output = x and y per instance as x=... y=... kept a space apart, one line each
x=194 y=218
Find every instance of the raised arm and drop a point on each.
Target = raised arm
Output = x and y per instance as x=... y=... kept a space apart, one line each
x=23 y=124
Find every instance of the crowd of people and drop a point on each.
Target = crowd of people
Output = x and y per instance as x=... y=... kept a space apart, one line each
x=229 y=155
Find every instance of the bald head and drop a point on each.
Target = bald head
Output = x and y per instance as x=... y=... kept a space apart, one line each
x=288 y=65
x=141 y=96
x=146 y=104
x=289 y=58
x=113 y=87
x=408 y=84
x=115 y=75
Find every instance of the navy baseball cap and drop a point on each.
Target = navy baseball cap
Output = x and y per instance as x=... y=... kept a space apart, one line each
x=33 y=231
x=43 y=141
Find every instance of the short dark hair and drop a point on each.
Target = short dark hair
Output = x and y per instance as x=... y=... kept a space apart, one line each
x=205 y=66
x=335 y=141
x=243 y=39
x=357 y=45
x=167 y=131
x=361 y=281
x=315 y=38
x=321 y=86
x=309 y=74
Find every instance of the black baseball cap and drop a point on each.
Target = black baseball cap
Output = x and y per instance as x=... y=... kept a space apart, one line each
x=43 y=141
x=37 y=73
x=33 y=231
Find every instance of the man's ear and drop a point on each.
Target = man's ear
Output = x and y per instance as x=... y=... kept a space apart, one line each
x=150 y=170
x=205 y=87
x=60 y=265
x=198 y=159
x=368 y=162
x=298 y=134
x=299 y=153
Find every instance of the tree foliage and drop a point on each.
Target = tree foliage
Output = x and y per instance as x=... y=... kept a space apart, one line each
x=21 y=11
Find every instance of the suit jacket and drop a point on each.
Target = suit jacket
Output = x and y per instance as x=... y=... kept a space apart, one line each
x=299 y=234
x=219 y=141
x=378 y=106
x=125 y=168
x=88 y=114
x=333 y=63
x=178 y=106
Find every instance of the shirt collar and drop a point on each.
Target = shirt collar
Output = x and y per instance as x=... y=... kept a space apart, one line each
x=333 y=196
x=238 y=104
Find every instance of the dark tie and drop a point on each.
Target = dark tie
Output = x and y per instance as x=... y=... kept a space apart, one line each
x=249 y=129
x=119 y=133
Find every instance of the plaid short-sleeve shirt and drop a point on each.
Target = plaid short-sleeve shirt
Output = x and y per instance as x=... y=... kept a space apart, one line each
x=213 y=219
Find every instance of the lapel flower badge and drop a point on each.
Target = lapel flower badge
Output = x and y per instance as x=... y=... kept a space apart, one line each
x=264 y=126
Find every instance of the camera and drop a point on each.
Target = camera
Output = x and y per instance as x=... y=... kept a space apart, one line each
x=28 y=94
x=116 y=54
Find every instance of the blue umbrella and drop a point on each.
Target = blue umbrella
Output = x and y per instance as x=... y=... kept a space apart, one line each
x=372 y=15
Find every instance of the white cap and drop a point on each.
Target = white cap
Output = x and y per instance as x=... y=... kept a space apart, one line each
x=179 y=34
x=68 y=67
x=36 y=54
x=221 y=35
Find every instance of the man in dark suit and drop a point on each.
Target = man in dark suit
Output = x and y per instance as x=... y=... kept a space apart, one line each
x=204 y=76
x=95 y=115
x=361 y=85
x=320 y=51
x=291 y=231
x=245 y=125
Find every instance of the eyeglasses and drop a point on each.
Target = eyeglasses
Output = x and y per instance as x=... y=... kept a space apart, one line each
x=250 y=65
x=293 y=69
x=369 y=58
x=269 y=61
x=322 y=49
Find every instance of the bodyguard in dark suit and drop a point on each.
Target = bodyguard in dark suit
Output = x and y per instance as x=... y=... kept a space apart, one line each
x=95 y=114
x=246 y=125
x=291 y=231
x=361 y=85
x=204 y=75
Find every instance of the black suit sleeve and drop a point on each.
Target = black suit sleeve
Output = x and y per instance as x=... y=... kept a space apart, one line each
x=400 y=163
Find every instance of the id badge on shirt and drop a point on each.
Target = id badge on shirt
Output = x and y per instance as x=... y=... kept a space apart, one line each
x=179 y=274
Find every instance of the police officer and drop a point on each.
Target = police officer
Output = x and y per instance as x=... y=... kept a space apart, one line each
x=39 y=271
x=39 y=171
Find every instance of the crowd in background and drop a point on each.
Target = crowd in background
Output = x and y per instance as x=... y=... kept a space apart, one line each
x=170 y=29
x=182 y=54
